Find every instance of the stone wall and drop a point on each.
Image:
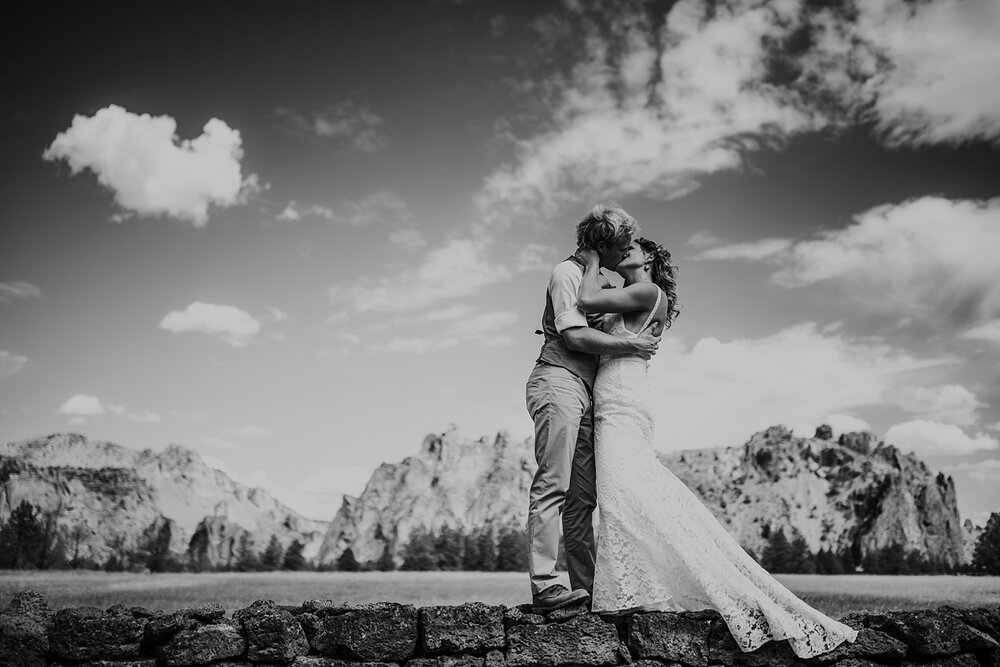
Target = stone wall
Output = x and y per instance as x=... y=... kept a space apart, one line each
x=325 y=634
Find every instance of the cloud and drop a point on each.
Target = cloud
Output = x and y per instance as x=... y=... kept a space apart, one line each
x=483 y=330
x=347 y=122
x=455 y=269
x=140 y=160
x=940 y=82
x=412 y=239
x=227 y=323
x=11 y=363
x=219 y=443
x=951 y=403
x=928 y=258
x=82 y=405
x=930 y=438
x=656 y=103
x=277 y=314
x=382 y=207
x=717 y=392
x=987 y=470
x=990 y=331
x=535 y=257
x=19 y=289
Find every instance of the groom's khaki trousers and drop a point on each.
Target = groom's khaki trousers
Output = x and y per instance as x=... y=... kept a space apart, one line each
x=559 y=403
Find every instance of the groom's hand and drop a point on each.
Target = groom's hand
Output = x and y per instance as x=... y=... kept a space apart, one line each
x=646 y=344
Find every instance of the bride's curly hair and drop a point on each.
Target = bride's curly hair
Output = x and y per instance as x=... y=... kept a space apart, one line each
x=664 y=275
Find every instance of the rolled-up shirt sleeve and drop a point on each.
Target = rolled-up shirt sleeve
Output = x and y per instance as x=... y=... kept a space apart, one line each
x=564 y=285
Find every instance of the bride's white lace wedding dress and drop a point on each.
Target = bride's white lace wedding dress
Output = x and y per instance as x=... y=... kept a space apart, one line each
x=659 y=547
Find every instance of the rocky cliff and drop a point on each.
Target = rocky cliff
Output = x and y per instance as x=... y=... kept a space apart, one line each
x=452 y=480
x=115 y=494
x=852 y=493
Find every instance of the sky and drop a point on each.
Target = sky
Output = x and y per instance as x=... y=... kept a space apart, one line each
x=298 y=238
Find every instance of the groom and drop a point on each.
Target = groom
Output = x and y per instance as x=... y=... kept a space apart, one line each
x=558 y=397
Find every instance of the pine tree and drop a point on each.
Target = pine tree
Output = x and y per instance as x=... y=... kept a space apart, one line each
x=448 y=546
x=472 y=555
x=247 y=559
x=512 y=550
x=385 y=562
x=347 y=562
x=487 y=550
x=986 y=555
x=418 y=554
x=294 y=560
x=155 y=547
x=777 y=553
x=800 y=559
x=271 y=559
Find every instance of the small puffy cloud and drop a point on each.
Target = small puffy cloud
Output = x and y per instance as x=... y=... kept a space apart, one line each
x=953 y=404
x=990 y=331
x=82 y=405
x=928 y=258
x=483 y=330
x=535 y=257
x=139 y=159
x=227 y=323
x=11 y=363
x=348 y=123
x=144 y=417
x=455 y=269
x=930 y=438
x=382 y=207
x=756 y=383
x=18 y=289
x=277 y=314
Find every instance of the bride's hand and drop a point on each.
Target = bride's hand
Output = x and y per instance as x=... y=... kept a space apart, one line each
x=588 y=256
x=646 y=344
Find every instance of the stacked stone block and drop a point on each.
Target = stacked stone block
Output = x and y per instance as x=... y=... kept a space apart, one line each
x=321 y=633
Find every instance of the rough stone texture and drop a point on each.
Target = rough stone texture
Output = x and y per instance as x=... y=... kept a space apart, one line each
x=23 y=640
x=149 y=662
x=209 y=613
x=470 y=628
x=963 y=660
x=273 y=634
x=723 y=649
x=871 y=644
x=677 y=637
x=926 y=633
x=585 y=640
x=317 y=661
x=163 y=626
x=383 y=631
x=985 y=619
x=447 y=661
x=202 y=645
x=521 y=615
x=566 y=613
x=495 y=659
x=87 y=633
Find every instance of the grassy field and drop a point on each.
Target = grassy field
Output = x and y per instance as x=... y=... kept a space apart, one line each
x=834 y=595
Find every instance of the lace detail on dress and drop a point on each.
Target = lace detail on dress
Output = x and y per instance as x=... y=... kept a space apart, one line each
x=660 y=548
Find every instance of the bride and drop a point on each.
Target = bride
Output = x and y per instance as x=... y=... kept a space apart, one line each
x=659 y=548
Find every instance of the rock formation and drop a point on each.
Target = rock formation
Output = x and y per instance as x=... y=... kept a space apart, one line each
x=844 y=494
x=115 y=494
x=451 y=481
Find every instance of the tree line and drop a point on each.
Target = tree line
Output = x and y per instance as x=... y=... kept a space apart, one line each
x=30 y=539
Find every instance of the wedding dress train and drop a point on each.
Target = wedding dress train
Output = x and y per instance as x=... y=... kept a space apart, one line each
x=660 y=548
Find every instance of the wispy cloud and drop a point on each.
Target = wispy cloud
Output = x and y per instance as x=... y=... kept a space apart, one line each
x=990 y=331
x=19 y=289
x=929 y=258
x=347 y=122
x=655 y=103
x=382 y=207
x=11 y=363
x=139 y=159
x=82 y=406
x=987 y=470
x=228 y=323
x=952 y=404
x=484 y=330
x=931 y=438
x=758 y=383
x=455 y=269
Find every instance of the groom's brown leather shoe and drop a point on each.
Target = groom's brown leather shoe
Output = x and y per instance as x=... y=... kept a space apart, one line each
x=556 y=597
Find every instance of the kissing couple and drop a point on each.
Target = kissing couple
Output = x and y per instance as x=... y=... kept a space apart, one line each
x=658 y=548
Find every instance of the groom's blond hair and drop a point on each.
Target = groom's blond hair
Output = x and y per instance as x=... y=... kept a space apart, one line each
x=605 y=222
